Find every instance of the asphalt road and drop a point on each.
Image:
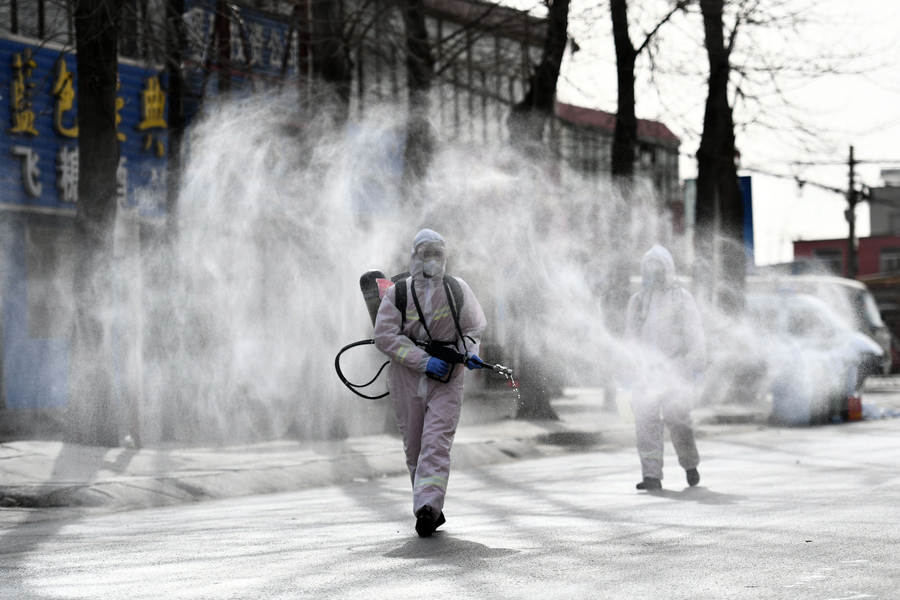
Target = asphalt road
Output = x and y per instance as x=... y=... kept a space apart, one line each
x=780 y=513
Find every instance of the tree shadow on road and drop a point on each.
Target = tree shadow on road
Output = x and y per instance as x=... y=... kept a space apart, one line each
x=449 y=549
x=700 y=495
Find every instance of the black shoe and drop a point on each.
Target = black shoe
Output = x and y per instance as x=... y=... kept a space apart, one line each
x=649 y=484
x=425 y=523
x=693 y=477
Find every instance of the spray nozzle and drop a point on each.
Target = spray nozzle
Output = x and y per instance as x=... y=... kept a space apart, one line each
x=505 y=371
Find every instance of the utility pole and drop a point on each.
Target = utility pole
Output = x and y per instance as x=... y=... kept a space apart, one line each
x=850 y=213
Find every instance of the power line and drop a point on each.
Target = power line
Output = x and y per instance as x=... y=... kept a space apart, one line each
x=799 y=181
x=827 y=163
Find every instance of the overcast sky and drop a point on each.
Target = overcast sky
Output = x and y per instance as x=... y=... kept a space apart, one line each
x=860 y=107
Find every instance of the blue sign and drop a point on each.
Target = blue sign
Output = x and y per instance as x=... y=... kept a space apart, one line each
x=263 y=51
x=747 y=197
x=39 y=145
x=39 y=193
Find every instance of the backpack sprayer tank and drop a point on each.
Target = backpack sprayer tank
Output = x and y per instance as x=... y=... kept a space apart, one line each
x=369 y=286
x=373 y=284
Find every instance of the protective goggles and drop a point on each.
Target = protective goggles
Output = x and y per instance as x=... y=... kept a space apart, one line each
x=430 y=251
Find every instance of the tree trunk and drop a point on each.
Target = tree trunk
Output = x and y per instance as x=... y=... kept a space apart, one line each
x=162 y=274
x=420 y=72
x=176 y=45
x=617 y=290
x=222 y=33
x=528 y=117
x=538 y=380
x=625 y=136
x=330 y=61
x=92 y=392
x=719 y=204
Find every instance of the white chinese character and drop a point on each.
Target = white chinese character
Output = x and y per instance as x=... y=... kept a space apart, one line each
x=237 y=44
x=67 y=174
x=276 y=50
x=157 y=178
x=257 y=41
x=122 y=182
x=197 y=32
x=151 y=196
x=293 y=55
x=30 y=171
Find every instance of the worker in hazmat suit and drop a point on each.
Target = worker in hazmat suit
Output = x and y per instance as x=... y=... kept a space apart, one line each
x=664 y=319
x=427 y=391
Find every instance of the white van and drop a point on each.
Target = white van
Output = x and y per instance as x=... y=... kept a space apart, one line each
x=847 y=297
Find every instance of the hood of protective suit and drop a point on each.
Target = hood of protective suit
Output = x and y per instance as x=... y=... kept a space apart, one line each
x=658 y=262
x=419 y=267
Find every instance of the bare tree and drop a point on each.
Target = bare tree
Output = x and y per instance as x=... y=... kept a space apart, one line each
x=92 y=391
x=625 y=135
x=526 y=130
x=625 y=141
x=330 y=58
x=528 y=117
x=748 y=87
x=420 y=73
x=719 y=202
x=175 y=45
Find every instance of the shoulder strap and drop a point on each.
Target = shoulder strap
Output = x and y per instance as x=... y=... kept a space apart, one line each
x=641 y=314
x=419 y=310
x=680 y=324
x=455 y=299
x=458 y=297
x=400 y=300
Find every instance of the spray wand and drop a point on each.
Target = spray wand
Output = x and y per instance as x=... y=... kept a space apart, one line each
x=498 y=368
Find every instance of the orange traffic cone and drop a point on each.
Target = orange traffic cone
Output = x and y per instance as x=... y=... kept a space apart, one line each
x=854 y=407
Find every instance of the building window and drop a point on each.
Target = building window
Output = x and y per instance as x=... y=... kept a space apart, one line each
x=831 y=258
x=889 y=260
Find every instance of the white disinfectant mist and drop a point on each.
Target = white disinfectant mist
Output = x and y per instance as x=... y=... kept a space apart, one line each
x=277 y=220
x=279 y=217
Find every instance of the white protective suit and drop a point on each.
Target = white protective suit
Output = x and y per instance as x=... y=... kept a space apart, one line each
x=427 y=411
x=665 y=320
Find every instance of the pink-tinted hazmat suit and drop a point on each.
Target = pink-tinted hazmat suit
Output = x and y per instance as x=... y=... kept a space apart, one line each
x=427 y=411
x=664 y=318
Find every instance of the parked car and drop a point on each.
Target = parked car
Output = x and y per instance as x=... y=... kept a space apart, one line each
x=812 y=359
x=847 y=297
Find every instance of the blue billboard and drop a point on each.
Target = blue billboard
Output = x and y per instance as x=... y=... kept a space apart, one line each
x=746 y=185
x=38 y=198
x=263 y=50
x=39 y=145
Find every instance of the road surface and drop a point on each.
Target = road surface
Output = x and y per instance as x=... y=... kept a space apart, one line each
x=780 y=513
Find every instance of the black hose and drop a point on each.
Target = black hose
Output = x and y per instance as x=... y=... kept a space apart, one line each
x=353 y=386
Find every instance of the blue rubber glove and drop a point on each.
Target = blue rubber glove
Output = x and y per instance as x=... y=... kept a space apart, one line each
x=473 y=362
x=437 y=367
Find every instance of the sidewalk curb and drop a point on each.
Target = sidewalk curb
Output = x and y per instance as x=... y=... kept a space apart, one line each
x=49 y=480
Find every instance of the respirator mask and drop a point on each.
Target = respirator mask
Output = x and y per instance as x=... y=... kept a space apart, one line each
x=432 y=256
x=653 y=276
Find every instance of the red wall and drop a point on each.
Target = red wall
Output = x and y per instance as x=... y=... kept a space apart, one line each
x=869 y=250
x=805 y=249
